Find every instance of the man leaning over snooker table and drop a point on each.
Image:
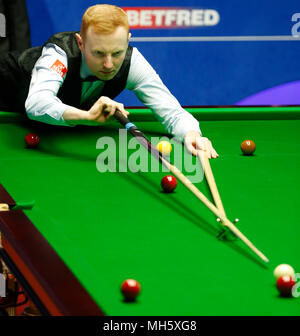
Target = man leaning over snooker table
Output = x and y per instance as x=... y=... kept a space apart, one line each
x=60 y=83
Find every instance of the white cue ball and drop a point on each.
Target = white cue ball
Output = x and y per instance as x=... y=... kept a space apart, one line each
x=284 y=269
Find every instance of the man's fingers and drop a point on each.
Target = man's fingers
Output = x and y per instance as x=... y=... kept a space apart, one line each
x=203 y=143
x=214 y=154
x=191 y=148
x=195 y=142
x=206 y=145
x=121 y=108
x=211 y=153
x=112 y=108
x=111 y=112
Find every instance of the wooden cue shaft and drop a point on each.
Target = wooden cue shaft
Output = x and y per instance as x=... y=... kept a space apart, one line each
x=215 y=193
x=148 y=145
x=187 y=183
x=211 y=180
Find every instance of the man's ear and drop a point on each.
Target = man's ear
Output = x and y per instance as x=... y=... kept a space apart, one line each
x=79 y=41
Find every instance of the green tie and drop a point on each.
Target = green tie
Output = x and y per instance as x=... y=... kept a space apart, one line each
x=90 y=91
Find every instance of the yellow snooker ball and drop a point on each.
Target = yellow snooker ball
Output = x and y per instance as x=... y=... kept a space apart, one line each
x=164 y=147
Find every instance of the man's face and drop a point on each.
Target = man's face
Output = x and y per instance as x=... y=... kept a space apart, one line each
x=104 y=53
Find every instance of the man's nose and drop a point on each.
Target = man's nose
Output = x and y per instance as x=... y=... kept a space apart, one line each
x=108 y=64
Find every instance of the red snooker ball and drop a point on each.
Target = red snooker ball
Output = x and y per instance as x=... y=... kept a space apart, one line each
x=32 y=140
x=130 y=289
x=168 y=183
x=285 y=285
x=248 y=147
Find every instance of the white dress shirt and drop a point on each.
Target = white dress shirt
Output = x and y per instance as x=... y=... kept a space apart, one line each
x=43 y=105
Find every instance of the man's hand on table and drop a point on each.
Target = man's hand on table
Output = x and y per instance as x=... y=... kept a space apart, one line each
x=194 y=141
x=99 y=113
x=104 y=108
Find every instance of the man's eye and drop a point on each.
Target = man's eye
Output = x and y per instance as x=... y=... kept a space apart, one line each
x=116 y=54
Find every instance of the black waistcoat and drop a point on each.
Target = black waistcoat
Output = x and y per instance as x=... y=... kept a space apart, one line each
x=16 y=69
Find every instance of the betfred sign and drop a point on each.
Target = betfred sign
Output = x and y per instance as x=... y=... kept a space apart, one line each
x=168 y=17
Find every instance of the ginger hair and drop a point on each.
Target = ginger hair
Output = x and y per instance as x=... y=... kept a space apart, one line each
x=104 y=19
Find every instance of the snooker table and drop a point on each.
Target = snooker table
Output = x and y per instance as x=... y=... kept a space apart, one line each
x=90 y=230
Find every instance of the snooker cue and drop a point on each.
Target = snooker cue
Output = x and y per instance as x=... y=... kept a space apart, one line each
x=130 y=127
x=202 y=155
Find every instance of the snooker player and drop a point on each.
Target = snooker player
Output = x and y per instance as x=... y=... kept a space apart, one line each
x=74 y=77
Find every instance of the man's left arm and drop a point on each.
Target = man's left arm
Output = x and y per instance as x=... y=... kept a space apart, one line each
x=151 y=91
